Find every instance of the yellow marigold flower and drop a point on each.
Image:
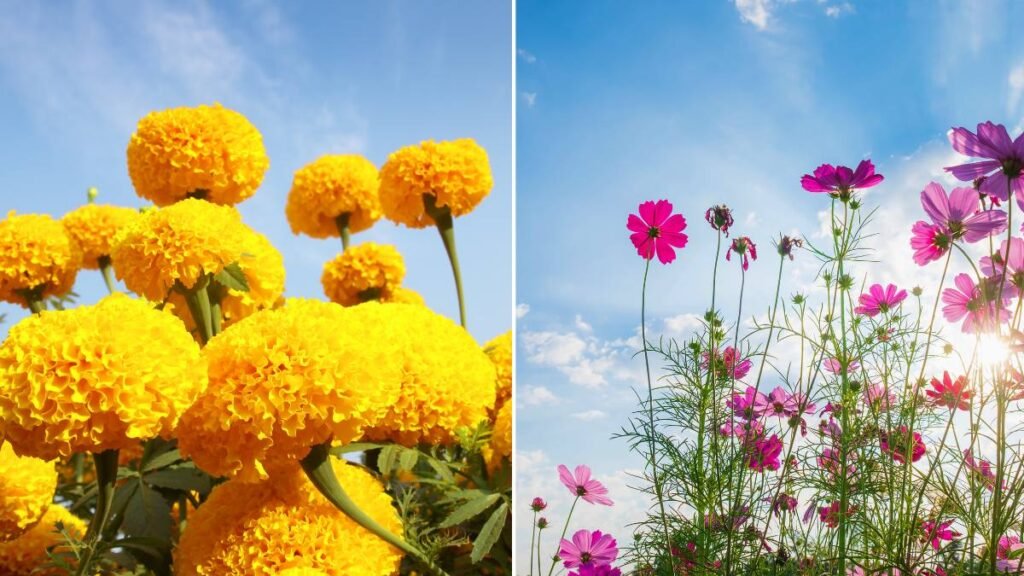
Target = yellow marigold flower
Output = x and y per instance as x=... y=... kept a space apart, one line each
x=284 y=380
x=179 y=243
x=329 y=187
x=94 y=226
x=501 y=439
x=499 y=350
x=402 y=295
x=457 y=173
x=301 y=571
x=26 y=490
x=263 y=528
x=207 y=151
x=447 y=380
x=364 y=272
x=96 y=378
x=36 y=254
x=27 y=555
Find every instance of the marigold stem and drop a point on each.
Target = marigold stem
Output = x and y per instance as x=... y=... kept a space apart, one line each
x=342 y=222
x=198 y=300
x=317 y=466
x=108 y=276
x=446 y=228
x=106 y=479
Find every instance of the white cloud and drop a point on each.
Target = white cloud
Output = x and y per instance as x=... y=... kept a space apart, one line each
x=530 y=98
x=756 y=12
x=522 y=310
x=752 y=219
x=583 y=358
x=682 y=325
x=837 y=10
x=536 y=396
x=589 y=415
x=553 y=348
x=526 y=56
x=582 y=325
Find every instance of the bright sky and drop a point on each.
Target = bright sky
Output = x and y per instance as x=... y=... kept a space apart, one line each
x=315 y=78
x=703 y=103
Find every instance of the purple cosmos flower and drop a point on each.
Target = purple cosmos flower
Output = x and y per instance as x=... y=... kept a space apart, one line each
x=582 y=485
x=879 y=300
x=1008 y=260
x=765 y=453
x=786 y=244
x=778 y=403
x=588 y=547
x=840 y=181
x=834 y=366
x=980 y=307
x=750 y=405
x=960 y=213
x=657 y=230
x=1002 y=164
x=538 y=504
x=744 y=247
x=590 y=570
x=728 y=362
x=879 y=397
x=929 y=242
x=720 y=218
x=784 y=503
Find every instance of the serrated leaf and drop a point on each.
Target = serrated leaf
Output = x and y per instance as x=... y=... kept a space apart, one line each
x=387 y=459
x=182 y=478
x=490 y=533
x=408 y=459
x=469 y=510
x=442 y=470
x=232 y=277
x=162 y=461
x=147 y=514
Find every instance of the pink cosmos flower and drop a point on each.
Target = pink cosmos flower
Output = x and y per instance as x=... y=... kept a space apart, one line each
x=743 y=246
x=657 y=230
x=1008 y=260
x=834 y=366
x=764 y=455
x=538 y=504
x=583 y=486
x=588 y=547
x=1006 y=545
x=748 y=431
x=901 y=444
x=728 y=362
x=977 y=305
x=830 y=514
x=746 y=405
x=878 y=300
x=936 y=533
x=879 y=398
x=831 y=462
x=1003 y=159
x=591 y=570
x=929 y=242
x=784 y=503
x=720 y=218
x=960 y=213
x=840 y=181
x=950 y=393
x=778 y=403
x=981 y=469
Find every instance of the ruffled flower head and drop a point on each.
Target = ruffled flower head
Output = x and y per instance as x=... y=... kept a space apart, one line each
x=208 y=152
x=364 y=272
x=499 y=350
x=456 y=173
x=500 y=446
x=96 y=378
x=268 y=528
x=37 y=257
x=329 y=187
x=94 y=226
x=31 y=554
x=26 y=490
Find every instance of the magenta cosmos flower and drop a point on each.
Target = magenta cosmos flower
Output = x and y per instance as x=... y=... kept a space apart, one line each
x=588 y=547
x=1008 y=260
x=878 y=300
x=978 y=305
x=950 y=393
x=590 y=570
x=1002 y=164
x=720 y=218
x=764 y=454
x=902 y=445
x=583 y=486
x=745 y=248
x=728 y=363
x=835 y=366
x=878 y=397
x=937 y=532
x=657 y=231
x=840 y=181
x=929 y=242
x=981 y=470
x=538 y=504
x=830 y=514
x=960 y=213
x=750 y=405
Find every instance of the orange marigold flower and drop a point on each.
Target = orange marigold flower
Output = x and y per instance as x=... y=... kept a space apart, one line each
x=402 y=295
x=499 y=350
x=329 y=187
x=36 y=256
x=29 y=555
x=209 y=152
x=500 y=446
x=26 y=490
x=96 y=378
x=368 y=271
x=284 y=523
x=94 y=226
x=456 y=173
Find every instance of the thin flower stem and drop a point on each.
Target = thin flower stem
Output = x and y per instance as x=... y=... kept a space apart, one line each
x=734 y=504
x=533 y=534
x=342 y=223
x=442 y=216
x=198 y=300
x=318 y=468
x=108 y=275
x=554 y=560
x=106 y=479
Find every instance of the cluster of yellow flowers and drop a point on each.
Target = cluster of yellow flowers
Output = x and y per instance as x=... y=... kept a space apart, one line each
x=365 y=272
x=93 y=228
x=29 y=555
x=26 y=489
x=37 y=256
x=329 y=187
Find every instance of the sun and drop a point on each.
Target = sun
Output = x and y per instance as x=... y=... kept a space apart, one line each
x=992 y=351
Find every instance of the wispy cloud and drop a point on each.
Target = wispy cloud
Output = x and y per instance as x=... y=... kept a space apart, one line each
x=837 y=10
x=756 y=12
x=536 y=396
x=526 y=56
x=589 y=415
x=1015 y=80
x=522 y=309
x=529 y=98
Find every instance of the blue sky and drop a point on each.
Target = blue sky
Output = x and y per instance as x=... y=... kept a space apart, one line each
x=314 y=77
x=703 y=103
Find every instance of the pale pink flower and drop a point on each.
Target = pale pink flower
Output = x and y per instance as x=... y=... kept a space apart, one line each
x=583 y=486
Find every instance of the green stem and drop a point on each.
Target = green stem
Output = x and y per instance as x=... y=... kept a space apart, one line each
x=318 y=468
x=108 y=275
x=36 y=305
x=198 y=300
x=442 y=217
x=554 y=560
x=343 y=231
x=106 y=478
x=533 y=535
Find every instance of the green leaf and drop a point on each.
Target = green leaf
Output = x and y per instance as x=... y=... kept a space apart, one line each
x=408 y=459
x=442 y=470
x=182 y=478
x=387 y=459
x=232 y=277
x=490 y=533
x=355 y=447
x=147 y=514
x=469 y=510
x=162 y=461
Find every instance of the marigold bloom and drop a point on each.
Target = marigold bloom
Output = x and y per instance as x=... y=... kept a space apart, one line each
x=447 y=380
x=929 y=242
x=286 y=379
x=960 y=213
x=456 y=173
x=949 y=393
x=364 y=272
x=26 y=490
x=1002 y=164
x=207 y=151
x=745 y=248
x=656 y=230
x=179 y=244
x=500 y=446
x=403 y=295
x=330 y=186
x=580 y=484
x=264 y=528
x=978 y=305
x=94 y=226
x=499 y=350
x=902 y=445
x=586 y=547
x=878 y=300
x=29 y=555
x=102 y=377
x=37 y=255
x=840 y=181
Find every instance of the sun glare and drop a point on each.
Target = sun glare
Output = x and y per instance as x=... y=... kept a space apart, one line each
x=992 y=351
